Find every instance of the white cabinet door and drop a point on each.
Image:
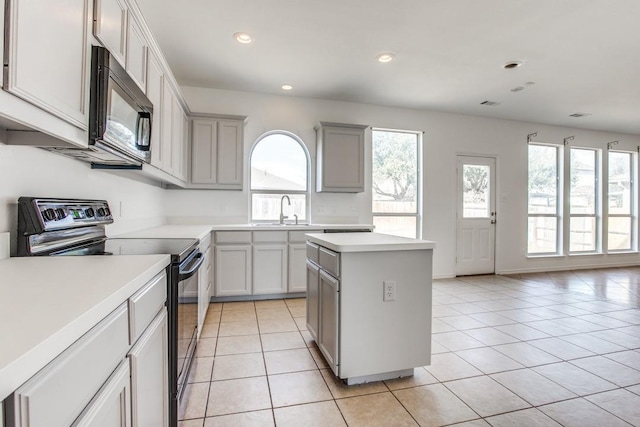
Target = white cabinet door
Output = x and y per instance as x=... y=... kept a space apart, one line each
x=136 y=53
x=149 y=375
x=269 y=269
x=204 y=289
x=217 y=153
x=177 y=143
x=204 y=145
x=229 y=153
x=155 y=85
x=340 y=158
x=166 y=130
x=329 y=319
x=297 y=270
x=111 y=407
x=313 y=299
x=233 y=270
x=48 y=54
x=110 y=26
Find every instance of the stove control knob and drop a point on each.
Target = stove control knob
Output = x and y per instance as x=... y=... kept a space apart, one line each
x=89 y=212
x=107 y=212
x=49 y=214
x=60 y=213
x=101 y=212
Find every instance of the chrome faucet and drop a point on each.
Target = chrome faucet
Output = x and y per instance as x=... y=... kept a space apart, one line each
x=282 y=217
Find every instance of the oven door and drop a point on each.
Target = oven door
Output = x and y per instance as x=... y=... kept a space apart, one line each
x=187 y=317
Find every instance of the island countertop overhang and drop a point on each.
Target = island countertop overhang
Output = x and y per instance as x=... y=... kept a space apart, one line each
x=368 y=242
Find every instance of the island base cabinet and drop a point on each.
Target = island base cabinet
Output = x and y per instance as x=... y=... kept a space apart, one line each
x=329 y=319
x=313 y=299
x=111 y=407
x=149 y=375
x=362 y=336
x=378 y=336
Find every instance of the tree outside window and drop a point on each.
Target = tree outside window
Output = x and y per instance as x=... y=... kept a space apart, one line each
x=395 y=182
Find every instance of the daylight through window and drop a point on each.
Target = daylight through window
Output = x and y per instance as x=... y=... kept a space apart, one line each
x=396 y=182
x=279 y=166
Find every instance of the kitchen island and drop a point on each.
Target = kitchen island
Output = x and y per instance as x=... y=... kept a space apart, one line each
x=369 y=303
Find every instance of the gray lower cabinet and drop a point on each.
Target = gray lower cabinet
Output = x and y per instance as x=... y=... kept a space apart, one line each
x=297 y=271
x=233 y=270
x=93 y=383
x=313 y=299
x=269 y=268
x=57 y=394
x=149 y=375
x=328 y=312
x=111 y=407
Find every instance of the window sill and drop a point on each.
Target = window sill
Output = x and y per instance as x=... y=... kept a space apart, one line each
x=542 y=256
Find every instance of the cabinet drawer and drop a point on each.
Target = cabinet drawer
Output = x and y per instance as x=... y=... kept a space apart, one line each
x=300 y=236
x=145 y=304
x=330 y=261
x=57 y=394
x=233 y=237
x=269 y=237
x=312 y=252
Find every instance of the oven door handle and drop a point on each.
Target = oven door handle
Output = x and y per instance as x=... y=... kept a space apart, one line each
x=197 y=260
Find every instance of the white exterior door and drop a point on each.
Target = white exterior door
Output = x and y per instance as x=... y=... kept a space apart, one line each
x=476 y=216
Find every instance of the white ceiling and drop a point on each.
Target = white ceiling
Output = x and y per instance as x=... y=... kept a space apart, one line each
x=583 y=55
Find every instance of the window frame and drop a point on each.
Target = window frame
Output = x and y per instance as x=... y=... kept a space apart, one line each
x=558 y=215
x=597 y=208
x=306 y=192
x=419 y=152
x=633 y=204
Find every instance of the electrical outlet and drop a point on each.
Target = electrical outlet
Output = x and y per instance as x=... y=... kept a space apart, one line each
x=389 y=290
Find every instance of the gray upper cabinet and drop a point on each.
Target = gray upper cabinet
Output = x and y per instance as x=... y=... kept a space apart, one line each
x=35 y=40
x=217 y=152
x=340 y=158
x=110 y=27
x=136 y=53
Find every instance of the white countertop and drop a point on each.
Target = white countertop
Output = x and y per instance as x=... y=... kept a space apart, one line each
x=200 y=231
x=368 y=242
x=47 y=303
x=170 y=232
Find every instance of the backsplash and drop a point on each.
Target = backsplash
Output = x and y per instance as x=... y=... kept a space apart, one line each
x=29 y=171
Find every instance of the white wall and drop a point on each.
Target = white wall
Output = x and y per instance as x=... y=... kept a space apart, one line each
x=446 y=135
x=29 y=171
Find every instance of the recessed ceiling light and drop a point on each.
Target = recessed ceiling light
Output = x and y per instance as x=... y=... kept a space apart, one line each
x=286 y=87
x=385 y=57
x=512 y=65
x=244 y=38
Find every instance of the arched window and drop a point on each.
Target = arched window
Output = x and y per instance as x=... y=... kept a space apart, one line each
x=279 y=167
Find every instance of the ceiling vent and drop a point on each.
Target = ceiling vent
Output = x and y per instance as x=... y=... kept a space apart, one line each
x=490 y=103
x=579 y=114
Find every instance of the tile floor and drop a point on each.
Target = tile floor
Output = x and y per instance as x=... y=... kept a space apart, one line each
x=544 y=349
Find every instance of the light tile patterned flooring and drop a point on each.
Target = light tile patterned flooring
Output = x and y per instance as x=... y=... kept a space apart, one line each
x=542 y=349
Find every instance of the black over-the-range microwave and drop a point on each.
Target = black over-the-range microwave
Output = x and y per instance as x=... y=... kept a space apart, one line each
x=120 y=117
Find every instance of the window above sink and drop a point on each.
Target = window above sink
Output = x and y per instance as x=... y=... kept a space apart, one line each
x=279 y=166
